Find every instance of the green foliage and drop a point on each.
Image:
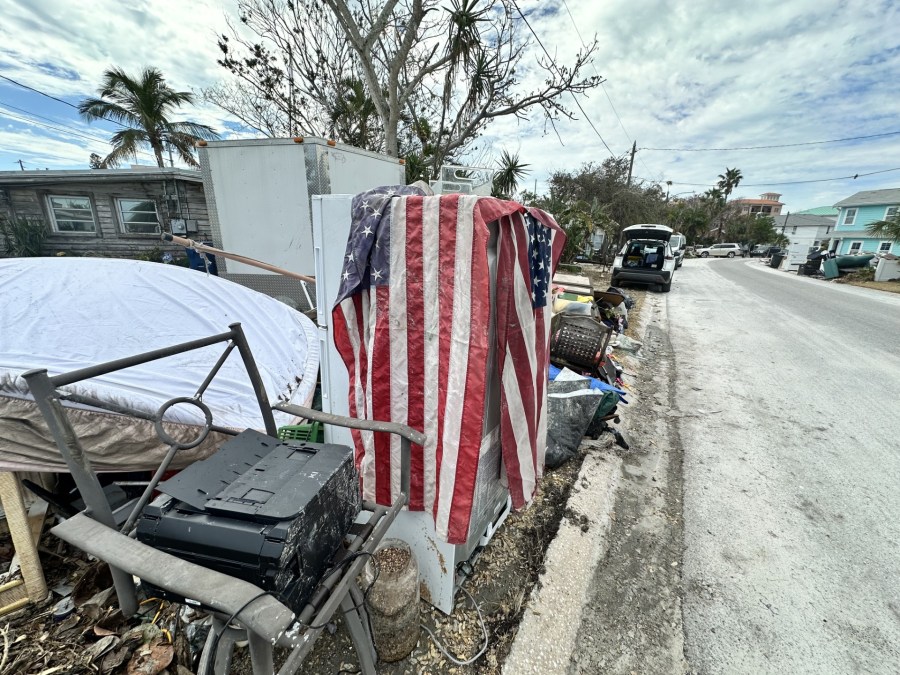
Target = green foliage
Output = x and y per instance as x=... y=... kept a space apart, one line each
x=144 y=106
x=885 y=229
x=506 y=181
x=23 y=237
x=598 y=196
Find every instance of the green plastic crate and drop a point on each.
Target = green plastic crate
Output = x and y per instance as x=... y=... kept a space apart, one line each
x=312 y=432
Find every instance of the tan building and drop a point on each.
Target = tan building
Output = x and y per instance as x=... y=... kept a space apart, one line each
x=768 y=204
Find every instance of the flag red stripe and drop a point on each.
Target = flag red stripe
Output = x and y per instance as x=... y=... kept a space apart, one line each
x=517 y=337
x=381 y=404
x=416 y=344
x=505 y=314
x=473 y=406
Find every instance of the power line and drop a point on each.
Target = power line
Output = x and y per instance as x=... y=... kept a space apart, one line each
x=782 y=145
x=43 y=93
x=56 y=126
x=602 y=85
x=61 y=126
x=553 y=63
x=797 y=182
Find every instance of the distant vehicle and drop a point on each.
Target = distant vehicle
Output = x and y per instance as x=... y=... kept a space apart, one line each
x=764 y=251
x=646 y=257
x=678 y=244
x=721 y=251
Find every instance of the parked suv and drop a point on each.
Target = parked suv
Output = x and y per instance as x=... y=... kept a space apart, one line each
x=646 y=257
x=721 y=251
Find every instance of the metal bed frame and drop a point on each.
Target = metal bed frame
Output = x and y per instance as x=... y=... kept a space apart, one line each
x=262 y=619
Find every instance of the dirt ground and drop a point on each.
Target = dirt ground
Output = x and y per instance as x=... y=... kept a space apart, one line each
x=888 y=286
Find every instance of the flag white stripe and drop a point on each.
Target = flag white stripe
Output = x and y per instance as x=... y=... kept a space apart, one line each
x=458 y=368
x=368 y=337
x=367 y=467
x=398 y=338
x=431 y=349
x=519 y=425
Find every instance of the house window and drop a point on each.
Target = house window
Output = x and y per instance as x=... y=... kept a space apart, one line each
x=794 y=230
x=138 y=216
x=855 y=246
x=71 y=214
x=884 y=247
x=849 y=217
x=891 y=212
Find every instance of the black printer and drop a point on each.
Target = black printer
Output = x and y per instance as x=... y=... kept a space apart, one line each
x=270 y=512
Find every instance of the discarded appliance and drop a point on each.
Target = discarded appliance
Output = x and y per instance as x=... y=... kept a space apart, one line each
x=71 y=313
x=442 y=565
x=259 y=193
x=267 y=512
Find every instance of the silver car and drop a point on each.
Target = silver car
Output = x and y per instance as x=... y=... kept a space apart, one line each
x=721 y=251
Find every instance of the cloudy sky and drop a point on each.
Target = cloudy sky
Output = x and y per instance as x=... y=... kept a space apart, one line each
x=695 y=74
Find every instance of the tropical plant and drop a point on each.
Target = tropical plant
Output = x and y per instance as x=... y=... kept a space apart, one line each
x=352 y=116
x=728 y=181
x=506 y=181
x=144 y=107
x=885 y=229
x=22 y=237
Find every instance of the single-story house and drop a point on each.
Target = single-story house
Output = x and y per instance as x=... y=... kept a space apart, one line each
x=860 y=210
x=107 y=212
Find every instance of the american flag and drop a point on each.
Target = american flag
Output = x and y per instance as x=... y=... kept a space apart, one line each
x=412 y=322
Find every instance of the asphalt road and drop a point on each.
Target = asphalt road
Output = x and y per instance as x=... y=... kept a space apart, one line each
x=790 y=391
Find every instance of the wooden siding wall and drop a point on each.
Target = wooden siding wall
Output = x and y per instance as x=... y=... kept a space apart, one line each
x=109 y=239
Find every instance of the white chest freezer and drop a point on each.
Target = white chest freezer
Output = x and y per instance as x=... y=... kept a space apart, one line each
x=441 y=565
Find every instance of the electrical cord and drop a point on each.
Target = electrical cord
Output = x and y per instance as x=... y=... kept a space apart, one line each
x=483 y=630
x=211 y=663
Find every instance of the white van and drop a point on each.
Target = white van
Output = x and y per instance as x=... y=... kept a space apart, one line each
x=678 y=243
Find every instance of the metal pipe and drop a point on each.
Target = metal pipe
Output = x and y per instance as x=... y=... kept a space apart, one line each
x=148 y=491
x=215 y=370
x=110 y=366
x=255 y=379
x=401 y=430
x=203 y=248
x=45 y=396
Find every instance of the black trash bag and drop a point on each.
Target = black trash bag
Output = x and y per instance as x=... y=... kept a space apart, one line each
x=629 y=301
x=570 y=408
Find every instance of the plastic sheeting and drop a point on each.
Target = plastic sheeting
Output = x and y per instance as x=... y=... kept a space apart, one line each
x=68 y=313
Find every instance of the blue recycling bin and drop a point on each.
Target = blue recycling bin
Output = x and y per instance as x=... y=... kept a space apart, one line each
x=195 y=260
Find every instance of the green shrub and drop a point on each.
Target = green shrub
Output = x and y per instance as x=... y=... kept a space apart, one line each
x=23 y=237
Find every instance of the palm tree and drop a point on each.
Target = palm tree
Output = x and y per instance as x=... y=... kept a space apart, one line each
x=727 y=183
x=506 y=180
x=144 y=108
x=885 y=229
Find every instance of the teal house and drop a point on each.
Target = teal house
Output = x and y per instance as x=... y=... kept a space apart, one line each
x=860 y=210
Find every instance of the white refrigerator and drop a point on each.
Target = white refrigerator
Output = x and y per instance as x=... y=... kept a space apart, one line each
x=442 y=566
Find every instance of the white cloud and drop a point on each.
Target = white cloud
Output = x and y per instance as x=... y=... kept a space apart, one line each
x=689 y=74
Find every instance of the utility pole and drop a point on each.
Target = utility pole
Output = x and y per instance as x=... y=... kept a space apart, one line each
x=631 y=163
x=21 y=165
x=171 y=163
